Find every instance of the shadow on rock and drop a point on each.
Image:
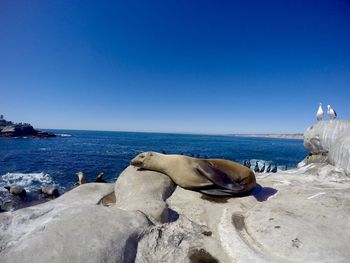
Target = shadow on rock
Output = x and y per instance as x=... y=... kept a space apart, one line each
x=172 y=216
x=215 y=199
x=201 y=256
x=262 y=194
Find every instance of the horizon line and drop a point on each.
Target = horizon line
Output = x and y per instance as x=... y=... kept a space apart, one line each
x=173 y=132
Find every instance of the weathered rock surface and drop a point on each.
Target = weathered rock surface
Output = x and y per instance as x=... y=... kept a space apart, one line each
x=299 y=215
x=331 y=139
x=71 y=228
x=320 y=137
x=339 y=153
x=295 y=216
x=146 y=191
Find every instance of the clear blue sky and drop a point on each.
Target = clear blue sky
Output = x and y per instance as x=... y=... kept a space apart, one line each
x=174 y=66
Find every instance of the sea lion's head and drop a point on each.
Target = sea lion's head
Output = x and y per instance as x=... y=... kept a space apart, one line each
x=146 y=160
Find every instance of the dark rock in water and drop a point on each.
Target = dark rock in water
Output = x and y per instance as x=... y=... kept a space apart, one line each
x=6 y=205
x=11 y=202
x=10 y=129
x=17 y=190
x=49 y=191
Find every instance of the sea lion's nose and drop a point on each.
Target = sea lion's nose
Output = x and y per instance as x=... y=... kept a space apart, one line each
x=135 y=162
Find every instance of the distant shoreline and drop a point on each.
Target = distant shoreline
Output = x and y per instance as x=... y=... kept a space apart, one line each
x=298 y=136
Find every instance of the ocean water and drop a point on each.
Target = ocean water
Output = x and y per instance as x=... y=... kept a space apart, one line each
x=33 y=162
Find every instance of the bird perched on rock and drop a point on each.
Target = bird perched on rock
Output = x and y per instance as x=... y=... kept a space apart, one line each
x=331 y=112
x=81 y=178
x=17 y=190
x=262 y=169
x=268 y=169
x=99 y=178
x=274 y=169
x=249 y=164
x=319 y=114
x=256 y=168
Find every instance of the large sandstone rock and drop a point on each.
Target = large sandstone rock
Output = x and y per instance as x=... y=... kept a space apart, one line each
x=320 y=137
x=146 y=191
x=339 y=153
x=71 y=228
x=296 y=216
x=330 y=139
x=300 y=215
x=180 y=241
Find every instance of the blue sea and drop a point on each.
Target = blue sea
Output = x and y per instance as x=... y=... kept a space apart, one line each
x=34 y=162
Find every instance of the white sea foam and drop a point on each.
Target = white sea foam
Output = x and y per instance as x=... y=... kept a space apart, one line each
x=29 y=181
x=64 y=135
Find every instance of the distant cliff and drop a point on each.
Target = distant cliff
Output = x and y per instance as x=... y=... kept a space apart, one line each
x=10 y=129
x=273 y=135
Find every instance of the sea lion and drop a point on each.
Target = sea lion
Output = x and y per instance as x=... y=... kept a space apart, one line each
x=17 y=190
x=210 y=176
x=81 y=178
x=49 y=191
x=99 y=178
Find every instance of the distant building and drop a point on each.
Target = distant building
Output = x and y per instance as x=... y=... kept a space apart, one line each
x=2 y=117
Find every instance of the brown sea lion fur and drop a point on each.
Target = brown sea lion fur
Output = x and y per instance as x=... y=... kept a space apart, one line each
x=210 y=176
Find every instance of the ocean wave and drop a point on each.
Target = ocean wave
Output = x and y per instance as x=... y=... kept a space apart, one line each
x=29 y=181
x=64 y=135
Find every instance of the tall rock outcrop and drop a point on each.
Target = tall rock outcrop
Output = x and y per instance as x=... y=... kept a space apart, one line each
x=332 y=139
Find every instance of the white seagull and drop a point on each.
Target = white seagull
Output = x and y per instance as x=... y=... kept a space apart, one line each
x=331 y=112
x=319 y=114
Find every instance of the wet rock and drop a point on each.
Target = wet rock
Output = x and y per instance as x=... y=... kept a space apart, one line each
x=7 y=205
x=16 y=190
x=49 y=191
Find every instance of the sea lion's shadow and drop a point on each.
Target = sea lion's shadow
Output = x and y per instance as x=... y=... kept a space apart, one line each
x=262 y=194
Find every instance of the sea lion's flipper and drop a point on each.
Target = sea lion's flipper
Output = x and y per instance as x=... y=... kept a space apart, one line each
x=219 y=178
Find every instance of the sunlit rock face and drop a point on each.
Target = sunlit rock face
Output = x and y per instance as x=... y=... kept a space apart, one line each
x=331 y=138
x=339 y=153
